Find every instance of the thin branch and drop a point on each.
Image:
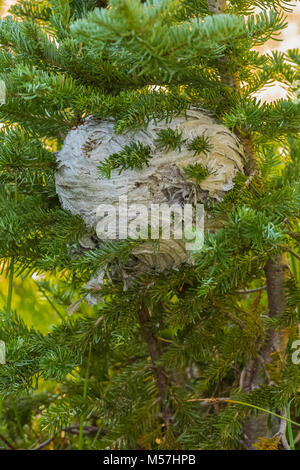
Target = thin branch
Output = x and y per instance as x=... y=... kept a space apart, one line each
x=282 y=432
x=164 y=339
x=209 y=401
x=258 y=289
x=9 y=445
x=292 y=252
x=44 y=444
x=51 y=303
x=297 y=438
x=236 y=402
x=295 y=235
x=235 y=320
x=72 y=430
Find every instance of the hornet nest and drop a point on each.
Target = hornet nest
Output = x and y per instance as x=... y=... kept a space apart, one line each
x=81 y=188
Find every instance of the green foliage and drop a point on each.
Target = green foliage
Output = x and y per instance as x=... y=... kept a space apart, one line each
x=134 y=155
x=197 y=172
x=200 y=144
x=74 y=367
x=169 y=139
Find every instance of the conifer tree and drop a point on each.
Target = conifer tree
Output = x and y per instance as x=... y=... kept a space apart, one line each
x=193 y=358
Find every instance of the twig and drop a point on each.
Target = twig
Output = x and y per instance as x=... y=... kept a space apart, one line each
x=44 y=444
x=297 y=438
x=71 y=430
x=236 y=402
x=295 y=235
x=164 y=339
x=292 y=252
x=51 y=303
x=235 y=319
x=282 y=432
x=9 y=445
x=251 y=290
x=98 y=321
x=210 y=401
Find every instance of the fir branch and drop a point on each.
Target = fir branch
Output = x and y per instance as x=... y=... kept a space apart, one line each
x=134 y=155
x=196 y=171
x=169 y=139
x=200 y=144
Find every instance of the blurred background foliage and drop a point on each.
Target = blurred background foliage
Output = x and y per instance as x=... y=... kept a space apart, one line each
x=28 y=299
x=42 y=301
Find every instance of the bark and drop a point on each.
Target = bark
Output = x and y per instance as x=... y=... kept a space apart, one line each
x=254 y=373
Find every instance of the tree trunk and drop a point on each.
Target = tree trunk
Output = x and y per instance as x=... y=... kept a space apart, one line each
x=254 y=374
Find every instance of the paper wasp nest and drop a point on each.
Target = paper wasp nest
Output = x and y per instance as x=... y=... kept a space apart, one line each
x=81 y=188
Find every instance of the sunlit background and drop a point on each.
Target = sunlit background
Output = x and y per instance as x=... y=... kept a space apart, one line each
x=290 y=39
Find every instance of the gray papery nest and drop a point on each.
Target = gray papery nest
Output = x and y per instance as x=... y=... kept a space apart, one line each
x=81 y=189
